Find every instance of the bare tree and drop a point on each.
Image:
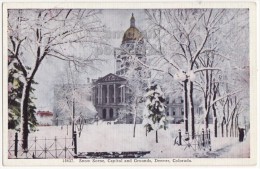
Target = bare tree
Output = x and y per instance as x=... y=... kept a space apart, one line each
x=72 y=96
x=34 y=35
x=181 y=37
x=137 y=84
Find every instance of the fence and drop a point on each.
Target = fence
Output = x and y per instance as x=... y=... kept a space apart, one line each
x=44 y=148
x=200 y=142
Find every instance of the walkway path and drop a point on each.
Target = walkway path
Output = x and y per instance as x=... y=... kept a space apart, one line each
x=236 y=150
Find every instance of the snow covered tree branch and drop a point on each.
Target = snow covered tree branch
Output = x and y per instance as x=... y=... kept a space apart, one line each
x=37 y=34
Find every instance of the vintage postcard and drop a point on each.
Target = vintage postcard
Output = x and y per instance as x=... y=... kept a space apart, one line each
x=129 y=84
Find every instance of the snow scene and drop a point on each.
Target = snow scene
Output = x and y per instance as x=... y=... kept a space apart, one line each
x=153 y=83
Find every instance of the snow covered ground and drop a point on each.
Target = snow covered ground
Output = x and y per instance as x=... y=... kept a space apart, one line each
x=119 y=138
x=237 y=150
x=229 y=148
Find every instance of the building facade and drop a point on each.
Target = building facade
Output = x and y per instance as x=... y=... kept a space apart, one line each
x=175 y=109
x=109 y=96
x=44 y=118
x=111 y=92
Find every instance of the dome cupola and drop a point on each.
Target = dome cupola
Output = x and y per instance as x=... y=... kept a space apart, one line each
x=132 y=33
x=132 y=21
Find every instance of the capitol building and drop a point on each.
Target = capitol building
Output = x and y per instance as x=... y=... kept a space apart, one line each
x=110 y=93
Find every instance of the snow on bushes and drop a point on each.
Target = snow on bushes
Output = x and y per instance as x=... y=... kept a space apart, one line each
x=154 y=113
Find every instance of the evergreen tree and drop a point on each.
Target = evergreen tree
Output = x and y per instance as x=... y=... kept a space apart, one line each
x=15 y=87
x=155 y=117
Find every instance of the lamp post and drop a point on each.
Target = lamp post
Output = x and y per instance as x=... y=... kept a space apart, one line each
x=186 y=77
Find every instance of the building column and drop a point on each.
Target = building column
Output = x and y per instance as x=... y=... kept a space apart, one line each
x=124 y=94
x=108 y=94
x=114 y=93
x=121 y=94
x=101 y=98
x=98 y=93
x=93 y=95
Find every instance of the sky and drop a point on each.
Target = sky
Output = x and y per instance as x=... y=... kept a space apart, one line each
x=116 y=21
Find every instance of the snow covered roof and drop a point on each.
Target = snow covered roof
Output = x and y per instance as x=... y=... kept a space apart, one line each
x=44 y=113
x=110 y=78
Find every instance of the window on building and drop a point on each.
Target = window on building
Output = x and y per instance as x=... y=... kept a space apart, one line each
x=111 y=113
x=173 y=112
x=181 y=100
x=167 y=100
x=182 y=111
x=104 y=113
x=117 y=112
x=167 y=113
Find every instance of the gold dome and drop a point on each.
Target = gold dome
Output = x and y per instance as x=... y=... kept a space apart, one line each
x=132 y=33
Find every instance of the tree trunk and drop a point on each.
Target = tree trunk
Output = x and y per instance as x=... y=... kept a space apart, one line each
x=226 y=130
x=135 y=119
x=236 y=125
x=231 y=130
x=156 y=136
x=134 y=125
x=216 y=127
x=206 y=98
x=73 y=116
x=186 y=121
x=25 y=101
x=222 y=128
x=25 y=114
x=223 y=119
x=215 y=120
x=207 y=121
x=227 y=118
x=232 y=126
x=192 y=111
x=215 y=90
x=134 y=129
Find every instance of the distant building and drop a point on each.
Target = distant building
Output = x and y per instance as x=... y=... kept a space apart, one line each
x=175 y=109
x=44 y=118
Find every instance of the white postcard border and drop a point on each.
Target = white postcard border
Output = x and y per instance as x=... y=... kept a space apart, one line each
x=194 y=161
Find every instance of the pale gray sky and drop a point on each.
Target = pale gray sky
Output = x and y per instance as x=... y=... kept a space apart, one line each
x=116 y=20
